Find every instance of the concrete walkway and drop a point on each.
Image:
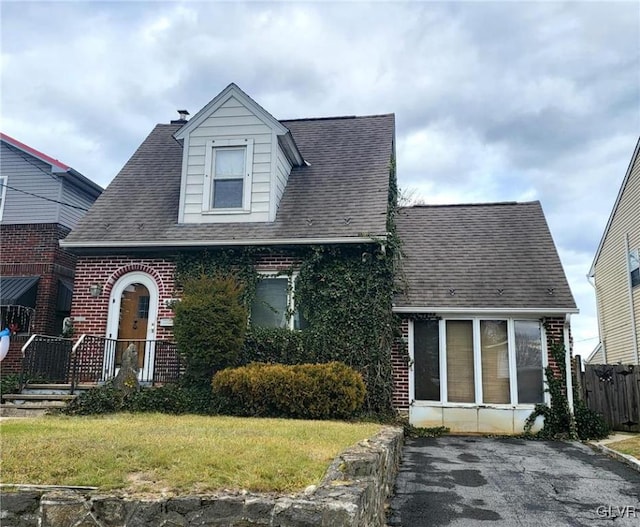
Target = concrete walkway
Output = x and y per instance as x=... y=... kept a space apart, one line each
x=469 y=481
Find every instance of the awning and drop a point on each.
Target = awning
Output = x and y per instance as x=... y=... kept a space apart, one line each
x=18 y=290
x=65 y=291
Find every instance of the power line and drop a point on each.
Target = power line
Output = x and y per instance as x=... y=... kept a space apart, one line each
x=46 y=199
x=26 y=157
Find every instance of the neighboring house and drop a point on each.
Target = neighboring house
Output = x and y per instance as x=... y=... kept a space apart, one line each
x=615 y=275
x=485 y=297
x=234 y=176
x=41 y=200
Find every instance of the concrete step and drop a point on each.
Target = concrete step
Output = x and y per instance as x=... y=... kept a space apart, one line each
x=11 y=410
x=66 y=387
x=34 y=404
x=38 y=397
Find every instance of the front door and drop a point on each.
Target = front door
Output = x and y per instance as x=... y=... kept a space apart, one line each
x=134 y=321
x=133 y=310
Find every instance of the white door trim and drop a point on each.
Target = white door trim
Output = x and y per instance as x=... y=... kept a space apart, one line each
x=113 y=320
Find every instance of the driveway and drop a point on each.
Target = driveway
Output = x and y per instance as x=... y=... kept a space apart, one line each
x=466 y=481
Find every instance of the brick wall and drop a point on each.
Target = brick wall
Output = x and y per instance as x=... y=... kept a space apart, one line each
x=554 y=329
x=90 y=313
x=29 y=250
x=400 y=369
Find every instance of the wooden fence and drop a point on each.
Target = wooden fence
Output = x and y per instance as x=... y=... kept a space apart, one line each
x=612 y=390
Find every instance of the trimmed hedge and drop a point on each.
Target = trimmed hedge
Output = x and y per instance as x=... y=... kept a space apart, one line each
x=274 y=345
x=305 y=391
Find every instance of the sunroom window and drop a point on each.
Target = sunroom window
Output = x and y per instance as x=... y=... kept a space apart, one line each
x=470 y=361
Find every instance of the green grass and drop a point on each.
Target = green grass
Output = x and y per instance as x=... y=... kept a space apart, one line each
x=164 y=454
x=627 y=446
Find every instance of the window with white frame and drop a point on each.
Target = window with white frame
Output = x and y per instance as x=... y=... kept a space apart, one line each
x=634 y=267
x=274 y=304
x=481 y=361
x=227 y=178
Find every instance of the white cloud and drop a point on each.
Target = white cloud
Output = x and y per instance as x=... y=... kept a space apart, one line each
x=494 y=101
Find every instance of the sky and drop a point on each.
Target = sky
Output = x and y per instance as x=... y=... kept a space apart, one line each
x=494 y=101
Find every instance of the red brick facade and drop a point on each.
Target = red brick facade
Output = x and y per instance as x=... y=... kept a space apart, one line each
x=90 y=313
x=554 y=330
x=400 y=369
x=33 y=250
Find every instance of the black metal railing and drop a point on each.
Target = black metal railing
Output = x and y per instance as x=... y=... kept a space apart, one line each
x=95 y=359
x=46 y=359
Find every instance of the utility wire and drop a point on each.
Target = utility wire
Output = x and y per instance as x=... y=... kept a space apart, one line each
x=26 y=157
x=46 y=199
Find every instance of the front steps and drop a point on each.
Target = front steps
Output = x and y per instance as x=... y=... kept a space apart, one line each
x=39 y=399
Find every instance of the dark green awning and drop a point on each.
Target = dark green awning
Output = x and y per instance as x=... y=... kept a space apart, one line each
x=18 y=290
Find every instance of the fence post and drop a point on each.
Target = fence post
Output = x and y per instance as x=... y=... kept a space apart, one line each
x=579 y=379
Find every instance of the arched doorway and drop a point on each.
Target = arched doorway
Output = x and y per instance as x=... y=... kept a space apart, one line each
x=133 y=311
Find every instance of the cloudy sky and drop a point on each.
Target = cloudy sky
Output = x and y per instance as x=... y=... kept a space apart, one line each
x=494 y=101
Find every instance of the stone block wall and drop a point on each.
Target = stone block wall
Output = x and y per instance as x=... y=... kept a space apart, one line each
x=352 y=494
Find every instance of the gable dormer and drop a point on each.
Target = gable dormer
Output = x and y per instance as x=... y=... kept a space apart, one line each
x=236 y=162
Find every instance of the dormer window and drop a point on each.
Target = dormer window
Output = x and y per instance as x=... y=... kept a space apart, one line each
x=228 y=170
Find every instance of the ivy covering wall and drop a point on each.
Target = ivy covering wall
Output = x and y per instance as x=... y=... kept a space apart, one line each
x=345 y=293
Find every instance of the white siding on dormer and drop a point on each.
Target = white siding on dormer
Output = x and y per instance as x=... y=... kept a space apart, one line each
x=283 y=169
x=231 y=120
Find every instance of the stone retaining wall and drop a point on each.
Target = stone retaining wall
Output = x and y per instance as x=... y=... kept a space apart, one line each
x=352 y=494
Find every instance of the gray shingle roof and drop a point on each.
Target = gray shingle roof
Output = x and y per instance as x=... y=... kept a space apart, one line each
x=478 y=250
x=343 y=193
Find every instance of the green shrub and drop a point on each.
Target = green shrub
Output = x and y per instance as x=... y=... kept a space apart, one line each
x=168 y=399
x=9 y=383
x=273 y=345
x=105 y=399
x=590 y=424
x=209 y=326
x=308 y=391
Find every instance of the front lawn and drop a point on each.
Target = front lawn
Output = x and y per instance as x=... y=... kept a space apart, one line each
x=630 y=447
x=165 y=454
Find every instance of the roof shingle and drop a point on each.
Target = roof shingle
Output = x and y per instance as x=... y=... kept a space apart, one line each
x=497 y=255
x=342 y=194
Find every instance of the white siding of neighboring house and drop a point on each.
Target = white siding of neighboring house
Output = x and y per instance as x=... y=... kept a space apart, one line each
x=29 y=174
x=612 y=276
x=72 y=195
x=230 y=120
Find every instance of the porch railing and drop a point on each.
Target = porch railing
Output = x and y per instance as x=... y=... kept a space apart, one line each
x=46 y=359
x=95 y=359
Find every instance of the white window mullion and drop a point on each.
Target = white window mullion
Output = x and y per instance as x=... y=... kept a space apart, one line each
x=545 y=363
x=513 y=370
x=246 y=202
x=412 y=370
x=292 y=307
x=207 y=187
x=442 y=326
x=477 y=360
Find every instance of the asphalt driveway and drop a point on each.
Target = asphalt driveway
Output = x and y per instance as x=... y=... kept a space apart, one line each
x=467 y=481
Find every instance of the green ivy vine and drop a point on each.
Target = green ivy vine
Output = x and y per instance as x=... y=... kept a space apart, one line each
x=344 y=292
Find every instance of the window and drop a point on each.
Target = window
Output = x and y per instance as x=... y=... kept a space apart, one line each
x=274 y=303
x=634 y=267
x=474 y=359
x=227 y=178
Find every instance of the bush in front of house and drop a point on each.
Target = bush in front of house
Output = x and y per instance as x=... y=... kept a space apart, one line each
x=273 y=345
x=168 y=399
x=589 y=424
x=209 y=326
x=304 y=391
